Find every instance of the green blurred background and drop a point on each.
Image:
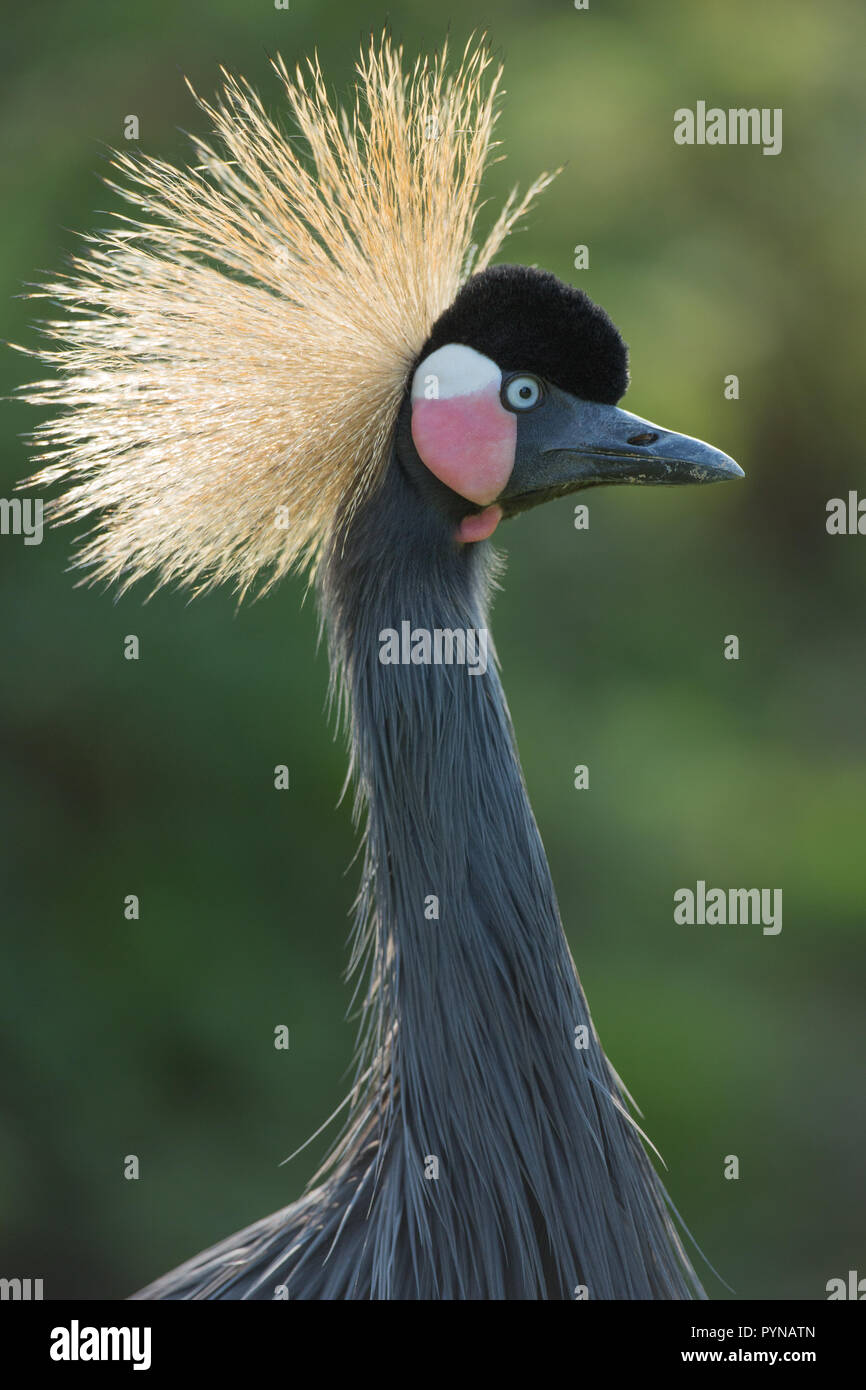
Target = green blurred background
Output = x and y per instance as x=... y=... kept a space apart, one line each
x=156 y=1037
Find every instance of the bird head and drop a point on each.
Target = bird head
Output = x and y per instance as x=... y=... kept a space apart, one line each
x=514 y=401
x=244 y=356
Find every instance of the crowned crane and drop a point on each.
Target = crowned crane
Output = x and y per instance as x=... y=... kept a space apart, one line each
x=299 y=358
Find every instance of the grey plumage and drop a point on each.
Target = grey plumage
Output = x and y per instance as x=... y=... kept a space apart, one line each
x=467 y=1042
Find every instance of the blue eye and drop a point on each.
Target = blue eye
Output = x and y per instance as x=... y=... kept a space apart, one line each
x=521 y=392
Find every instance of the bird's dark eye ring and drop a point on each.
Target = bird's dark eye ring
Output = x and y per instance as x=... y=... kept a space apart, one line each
x=520 y=391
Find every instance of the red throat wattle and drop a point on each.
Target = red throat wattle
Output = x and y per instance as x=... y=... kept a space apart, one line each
x=478 y=526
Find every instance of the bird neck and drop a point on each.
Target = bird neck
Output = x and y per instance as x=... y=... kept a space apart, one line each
x=449 y=833
x=457 y=926
x=491 y=1148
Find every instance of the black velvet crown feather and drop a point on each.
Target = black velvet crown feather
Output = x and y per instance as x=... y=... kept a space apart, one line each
x=528 y=320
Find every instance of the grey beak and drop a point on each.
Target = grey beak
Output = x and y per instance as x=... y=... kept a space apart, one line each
x=584 y=444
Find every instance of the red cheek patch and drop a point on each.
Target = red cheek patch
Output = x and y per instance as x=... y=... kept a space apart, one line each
x=467 y=441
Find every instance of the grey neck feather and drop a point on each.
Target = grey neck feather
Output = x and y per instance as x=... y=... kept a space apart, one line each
x=484 y=1156
x=468 y=1063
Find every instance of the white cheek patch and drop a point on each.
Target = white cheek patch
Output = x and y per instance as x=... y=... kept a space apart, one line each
x=454 y=370
x=461 y=429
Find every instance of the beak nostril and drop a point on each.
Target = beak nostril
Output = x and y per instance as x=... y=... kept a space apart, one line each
x=646 y=438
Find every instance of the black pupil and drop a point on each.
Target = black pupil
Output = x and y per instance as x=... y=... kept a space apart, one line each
x=525 y=391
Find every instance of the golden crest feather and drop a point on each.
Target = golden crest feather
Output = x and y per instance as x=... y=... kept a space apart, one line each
x=234 y=353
